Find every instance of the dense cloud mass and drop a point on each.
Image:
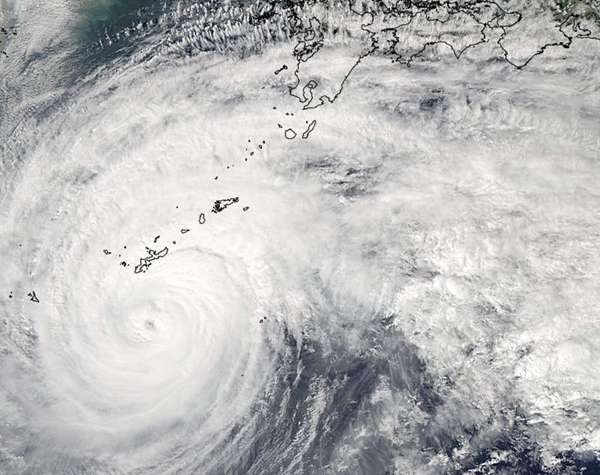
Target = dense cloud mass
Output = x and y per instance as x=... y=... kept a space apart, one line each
x=299 y=237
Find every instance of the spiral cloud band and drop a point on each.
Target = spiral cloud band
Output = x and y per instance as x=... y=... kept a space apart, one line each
x=237 y=238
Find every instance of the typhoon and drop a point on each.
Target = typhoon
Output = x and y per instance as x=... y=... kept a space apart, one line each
x=299 y=237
